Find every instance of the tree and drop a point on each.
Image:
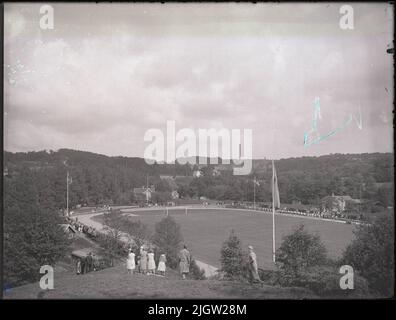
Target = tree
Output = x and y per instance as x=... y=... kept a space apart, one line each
x=233 y=259
x=168 y=238
x=300 y=250
x=372 y=254
x=32 y=238
x=112 y=245
x=139 y=231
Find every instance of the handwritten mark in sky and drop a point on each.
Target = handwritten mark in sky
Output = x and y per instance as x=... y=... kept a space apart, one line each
x=314 y=133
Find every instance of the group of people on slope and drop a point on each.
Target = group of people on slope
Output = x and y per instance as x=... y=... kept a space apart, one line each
x=86 y=264
x=145 y=262
x=82 y=228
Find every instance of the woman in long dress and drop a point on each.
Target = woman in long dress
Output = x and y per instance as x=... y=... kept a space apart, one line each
x=143 y=261
x=184 y=261
x=151 y=263
x=254 y=276
x=161 y=265
x=131 y=261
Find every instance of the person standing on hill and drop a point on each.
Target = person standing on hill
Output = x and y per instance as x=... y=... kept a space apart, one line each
x=161 y=265
x=89 y=263
x=131 y=261
x=143 y=260
x=83 y=265
x=253 y=265
x=184 y=261
x=78 y=267
x=151 y=262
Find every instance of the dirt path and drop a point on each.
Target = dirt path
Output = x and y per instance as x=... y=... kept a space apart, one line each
x=87 y=220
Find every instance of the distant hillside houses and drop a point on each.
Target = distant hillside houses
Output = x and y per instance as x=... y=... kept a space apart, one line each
x=197 y=173
x=339 y=204
x=143 y=193
x=175 y=194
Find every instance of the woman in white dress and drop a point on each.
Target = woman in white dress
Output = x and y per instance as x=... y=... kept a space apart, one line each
x=151 y=262
x=161 y=265
x=131 y=261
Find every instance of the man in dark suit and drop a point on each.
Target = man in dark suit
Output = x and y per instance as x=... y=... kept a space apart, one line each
x=89 y=263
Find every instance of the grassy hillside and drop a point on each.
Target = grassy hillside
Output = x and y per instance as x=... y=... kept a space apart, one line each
x=116 y=283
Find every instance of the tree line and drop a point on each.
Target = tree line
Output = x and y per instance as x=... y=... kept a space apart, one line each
x=98 y=179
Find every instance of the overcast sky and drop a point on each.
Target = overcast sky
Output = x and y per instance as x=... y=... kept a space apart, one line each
x=107 y=73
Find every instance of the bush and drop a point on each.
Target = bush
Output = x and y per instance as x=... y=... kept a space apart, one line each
x=112 y=247
x=299 y=251
x=269 y=277
x=233 y=260
x=303 y=262
x=325 y=281
x=168 y=239
x=372 y=254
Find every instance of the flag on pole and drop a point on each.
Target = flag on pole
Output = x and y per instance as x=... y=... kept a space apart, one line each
x=256 y=182
x=69 y=179
x=275 y=203
x=275 y=189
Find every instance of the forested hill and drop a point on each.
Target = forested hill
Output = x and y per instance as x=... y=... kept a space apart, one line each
x=378 y=165
x=96 y=179
x=101 y=179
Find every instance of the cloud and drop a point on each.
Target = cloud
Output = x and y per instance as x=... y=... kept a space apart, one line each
x=107 y=73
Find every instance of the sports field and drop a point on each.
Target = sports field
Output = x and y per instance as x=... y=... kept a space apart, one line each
x=204 y=231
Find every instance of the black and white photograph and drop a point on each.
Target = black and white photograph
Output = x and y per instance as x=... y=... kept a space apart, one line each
x=198 y=150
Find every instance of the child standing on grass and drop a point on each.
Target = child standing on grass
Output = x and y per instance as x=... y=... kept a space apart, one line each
x=131 y=261
x=151 y=262
x=143 y=261
x=161 y=265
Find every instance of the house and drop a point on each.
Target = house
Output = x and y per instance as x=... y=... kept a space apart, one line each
x=197 y=173
x=175 y=194
x=338 y=204
x=143 y=193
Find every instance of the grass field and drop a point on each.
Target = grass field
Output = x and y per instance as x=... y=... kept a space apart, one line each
x=205 y=230
x=115 y=283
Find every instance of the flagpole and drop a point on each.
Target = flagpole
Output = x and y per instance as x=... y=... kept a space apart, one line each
x=273 y=212
x=147 y=190
x=254 y=193
x=67 y=194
